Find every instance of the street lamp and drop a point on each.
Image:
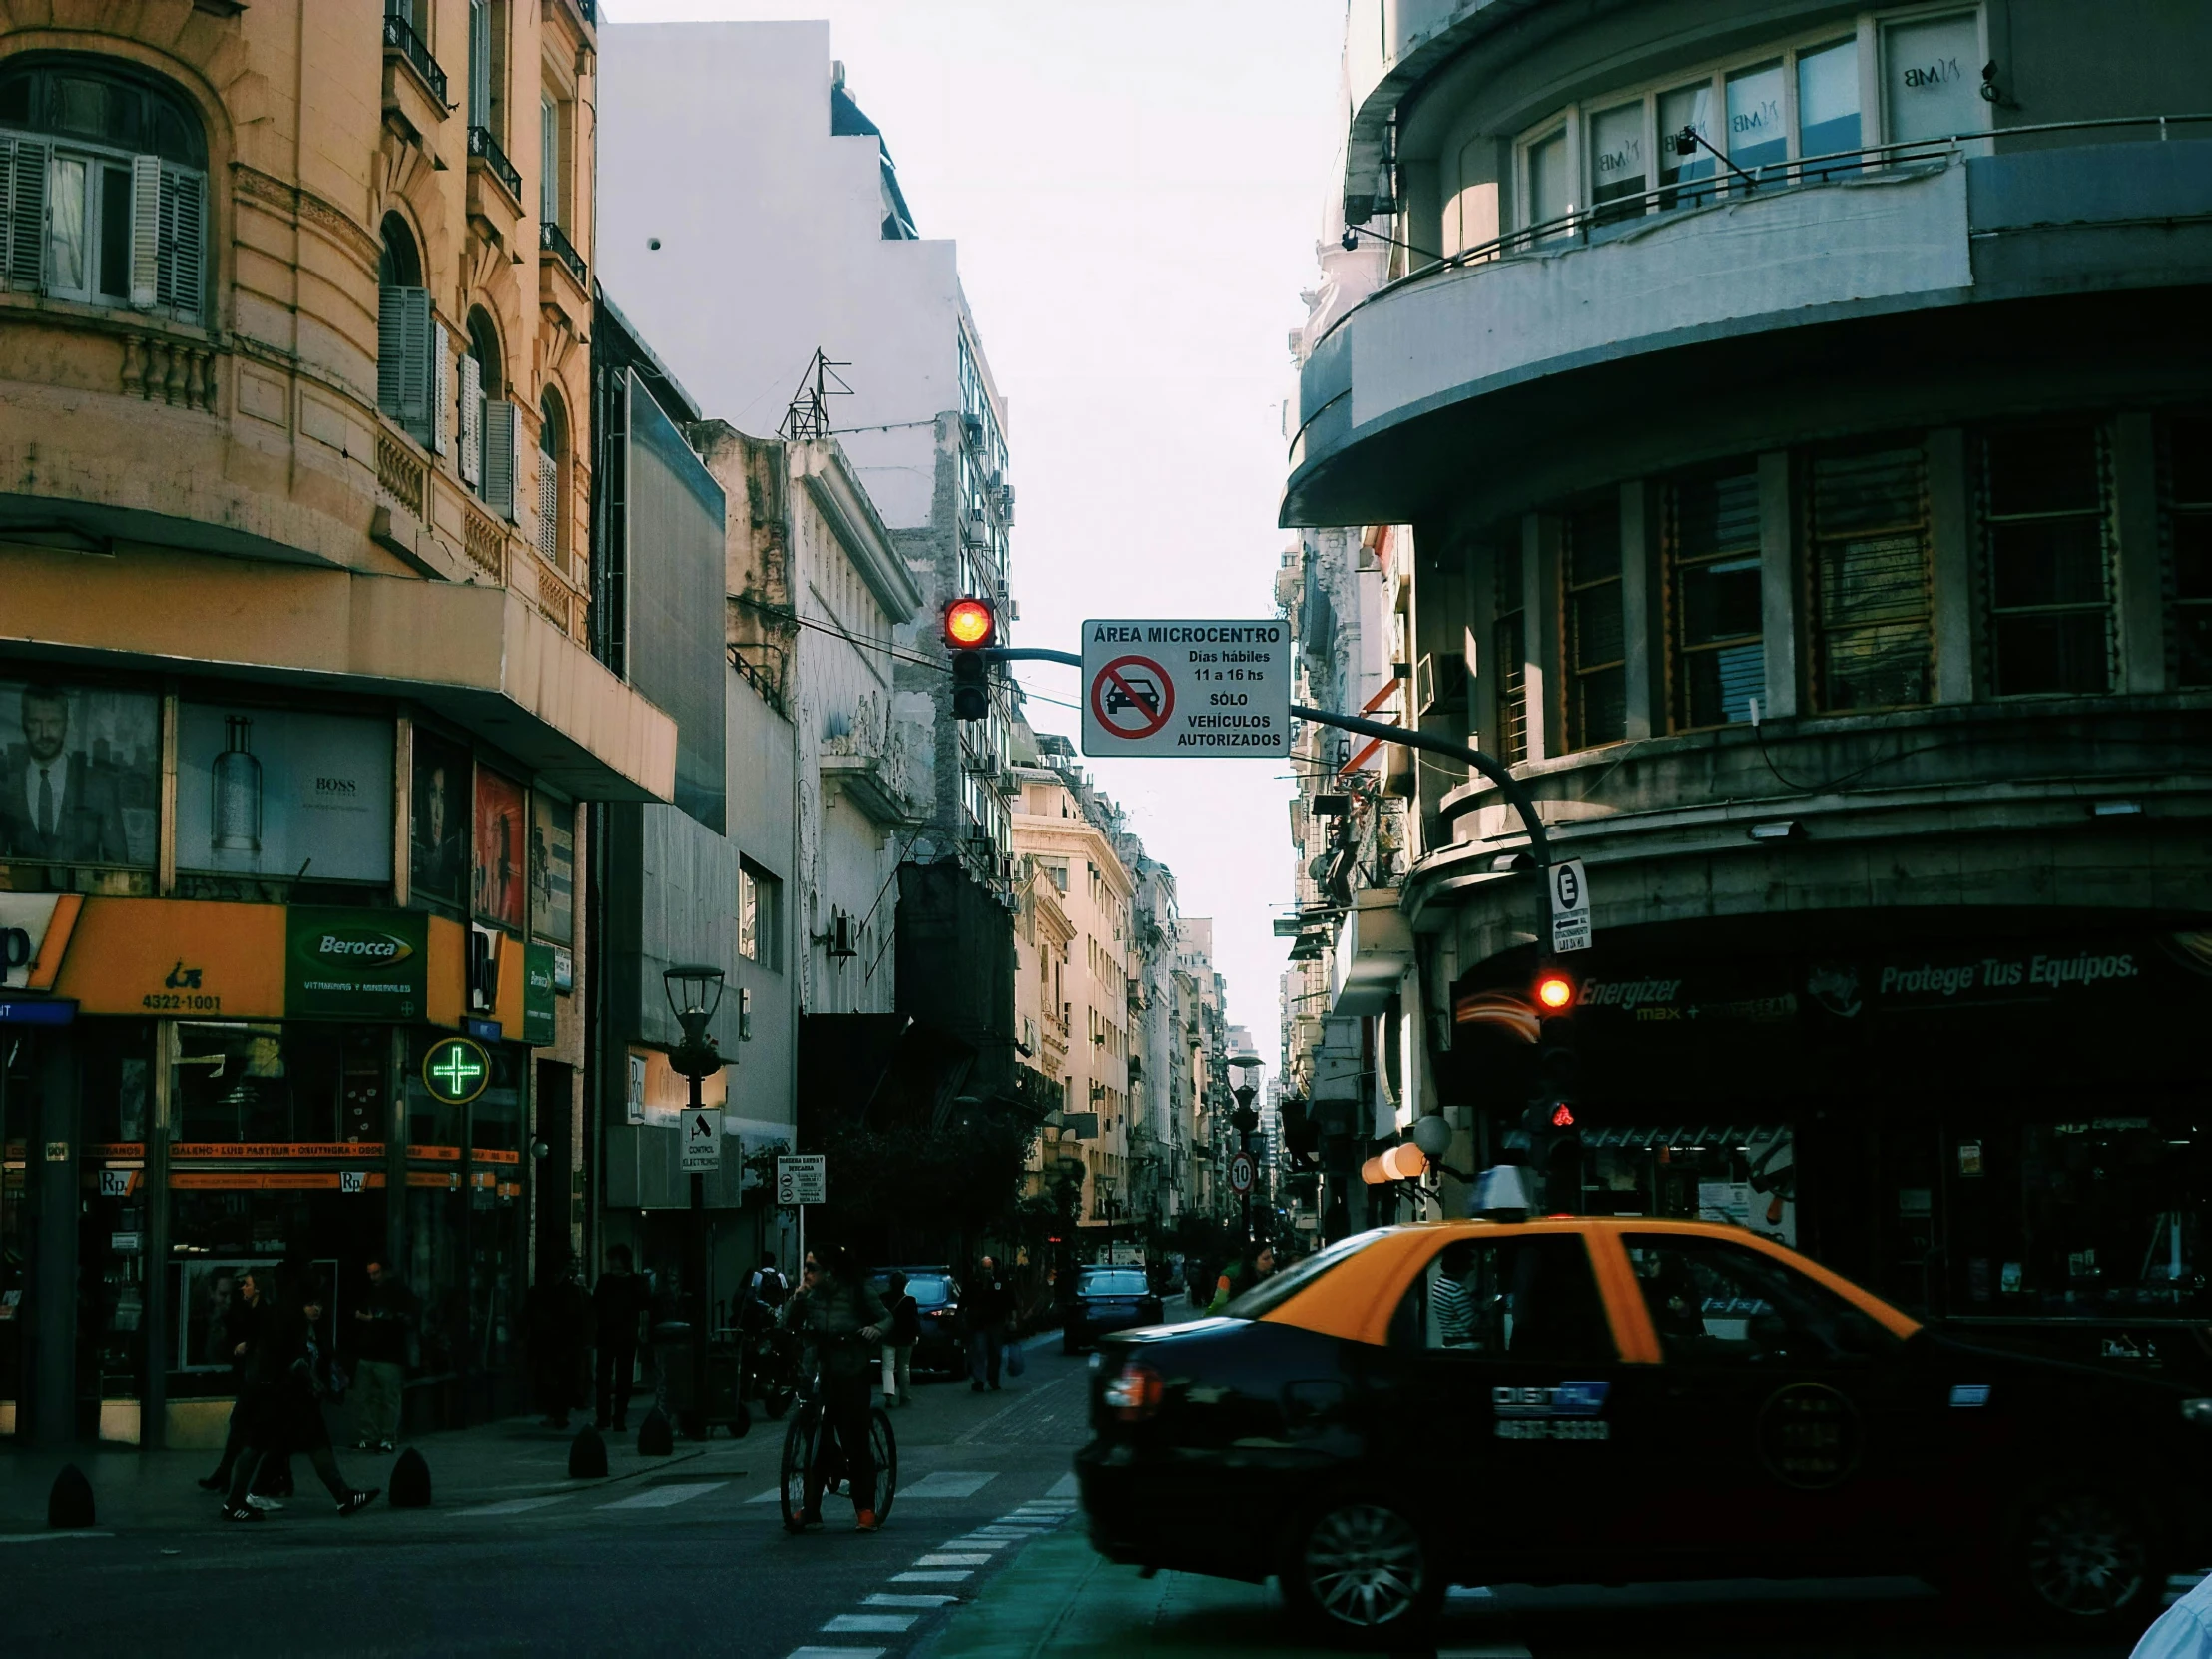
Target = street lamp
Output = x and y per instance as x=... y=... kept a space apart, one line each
x=694 y=993
x=1245 y=1121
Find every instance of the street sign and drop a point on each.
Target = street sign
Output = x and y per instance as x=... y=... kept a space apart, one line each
x=1570 y=907
x=1240 y=1172
x=803 y=1179
x=1187 y=687
x=352 y=1179
x=701 y=1140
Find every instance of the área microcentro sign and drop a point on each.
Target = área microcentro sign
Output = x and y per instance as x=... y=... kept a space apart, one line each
x=1187 y=687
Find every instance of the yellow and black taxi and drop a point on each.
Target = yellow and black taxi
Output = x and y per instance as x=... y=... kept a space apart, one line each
x=1609 y=1399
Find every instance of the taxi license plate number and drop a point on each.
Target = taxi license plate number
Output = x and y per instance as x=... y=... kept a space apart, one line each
x=1543 y=1428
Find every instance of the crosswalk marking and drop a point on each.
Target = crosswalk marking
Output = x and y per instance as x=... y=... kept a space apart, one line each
x=516 y=1505
x=1065 y=1486
x=976 y=1544
x=937 y=1575
x=963 y=1561
x=871 y=1624
x=948 y=1483
x=667 y=1497
x=768 y=1497
x=881 y=1600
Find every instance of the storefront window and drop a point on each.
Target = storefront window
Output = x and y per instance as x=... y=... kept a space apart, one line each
x=1746 y=1177
x=263 y=1083
x=224 y=1224
x=19 y=1127
x=80 y=787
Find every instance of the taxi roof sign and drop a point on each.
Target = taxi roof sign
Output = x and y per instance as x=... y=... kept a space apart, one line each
x=1187 y=687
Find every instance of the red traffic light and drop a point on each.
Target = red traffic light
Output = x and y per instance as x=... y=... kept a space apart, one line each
x=970 y=624
x=1562 y=1116
x=1555 y=993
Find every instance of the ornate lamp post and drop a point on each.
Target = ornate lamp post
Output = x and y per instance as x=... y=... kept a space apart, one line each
x=1245 y=1121
x=694 y=994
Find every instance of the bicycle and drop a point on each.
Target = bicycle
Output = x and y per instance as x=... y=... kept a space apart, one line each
x=798 y=1457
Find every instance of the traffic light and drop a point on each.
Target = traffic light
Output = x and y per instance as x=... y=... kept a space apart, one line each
x=970 y=628
x=1554 y=1139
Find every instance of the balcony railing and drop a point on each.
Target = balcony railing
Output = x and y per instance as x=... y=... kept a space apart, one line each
x=1730 y=182
x=484 y=148
x=553 y=240
x=399 y=37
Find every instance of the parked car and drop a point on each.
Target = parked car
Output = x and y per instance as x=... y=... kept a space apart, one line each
x=1106 y=1298
x=1588 y=1400
x=936 y=1292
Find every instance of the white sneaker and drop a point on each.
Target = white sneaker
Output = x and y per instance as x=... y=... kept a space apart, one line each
x=260 y=1503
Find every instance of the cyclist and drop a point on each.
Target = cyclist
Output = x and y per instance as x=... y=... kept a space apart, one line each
x=843 y=1321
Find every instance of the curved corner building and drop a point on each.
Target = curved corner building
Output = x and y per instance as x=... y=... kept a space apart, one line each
x=1800 y=414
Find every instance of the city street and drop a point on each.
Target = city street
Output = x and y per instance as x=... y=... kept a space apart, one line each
x=983 y=1557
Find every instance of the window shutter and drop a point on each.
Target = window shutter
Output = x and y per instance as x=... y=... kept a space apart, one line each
x=500 y=456
x=26 y=206
x=549 y=506
x=549 y=161
x=145 y=232
x=440 y=423
x=472 y=422
x=480 y=63
x=184 y=241
x=405 y=337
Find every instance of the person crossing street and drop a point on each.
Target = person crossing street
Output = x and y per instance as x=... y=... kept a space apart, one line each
x=844 y=1322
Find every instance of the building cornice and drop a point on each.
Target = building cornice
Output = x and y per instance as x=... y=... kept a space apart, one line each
x=860 y=529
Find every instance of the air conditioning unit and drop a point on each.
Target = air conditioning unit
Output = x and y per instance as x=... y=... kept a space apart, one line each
x=971 y=427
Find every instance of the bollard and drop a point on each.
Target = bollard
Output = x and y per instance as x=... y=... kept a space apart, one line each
x=69 y=1504
x=655 y=1437
x=587 y=1456
x=411 y=1482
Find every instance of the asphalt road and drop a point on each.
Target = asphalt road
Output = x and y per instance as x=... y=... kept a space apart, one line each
x=982 y=1556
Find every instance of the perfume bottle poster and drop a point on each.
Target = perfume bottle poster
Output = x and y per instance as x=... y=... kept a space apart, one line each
x=280 y=793
x=502 y=872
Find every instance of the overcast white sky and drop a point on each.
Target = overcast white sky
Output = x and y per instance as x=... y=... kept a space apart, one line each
x=1135 y=186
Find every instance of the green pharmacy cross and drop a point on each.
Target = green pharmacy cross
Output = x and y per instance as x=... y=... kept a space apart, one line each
x=456 y=1070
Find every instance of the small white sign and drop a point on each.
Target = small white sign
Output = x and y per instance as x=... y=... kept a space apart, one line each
x=116 y=1183
x=1570 y=907
x=1203 y=688
x=803 y=1179
x=352 y=1179
x=702 y=1132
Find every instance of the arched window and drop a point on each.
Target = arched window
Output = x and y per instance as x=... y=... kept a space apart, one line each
x=411 y=359
x=106 y=172
x=552 y=479
x=399 y=265
x=490 y=434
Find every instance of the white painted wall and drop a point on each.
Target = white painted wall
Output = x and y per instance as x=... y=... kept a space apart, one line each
x=715 y=138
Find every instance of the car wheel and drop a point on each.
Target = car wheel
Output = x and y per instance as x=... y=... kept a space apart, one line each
x=1364 y=1571
x=2085 y=1559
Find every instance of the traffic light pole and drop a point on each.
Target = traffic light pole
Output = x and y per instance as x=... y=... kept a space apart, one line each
x=1516 y=796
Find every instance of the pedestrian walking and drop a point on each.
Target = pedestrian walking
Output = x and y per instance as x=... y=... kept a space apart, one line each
x=620 y=1302
x=240 y=1325
x=560 y=1338
x=987 y=1302
x=383 y=1328
x=843 y=1321
x=898 y=1342
x=1240 y=1277
x=288 y=1375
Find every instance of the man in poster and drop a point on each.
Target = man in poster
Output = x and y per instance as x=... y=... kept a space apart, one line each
x=53 y=806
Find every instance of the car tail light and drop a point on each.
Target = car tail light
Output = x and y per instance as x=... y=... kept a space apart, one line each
x=1134 y=1394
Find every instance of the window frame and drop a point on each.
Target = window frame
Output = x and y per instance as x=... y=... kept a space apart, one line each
x=1818 y=633
x=1986 y=522
x=1574 y=673
x=1866 y=29
x=1671 y=567
x=2172 y=511
x=761 y=906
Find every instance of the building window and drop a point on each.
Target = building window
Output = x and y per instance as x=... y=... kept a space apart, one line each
x=1867 y=529
x=490 y=434
x=105 y=175
x=550 y=150
x=2046 y=547
x=2188 y=479
x=411 y=356
x=1932 y=79
x=1509 y=648
x=760 y=915
x=1717 y=663
x=1550 y=178
x=552 y=456
x=1596 y=641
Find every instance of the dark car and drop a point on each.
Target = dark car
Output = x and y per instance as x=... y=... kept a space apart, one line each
x=1106 y=1298
x=936 y=1292
x=1603 y=1400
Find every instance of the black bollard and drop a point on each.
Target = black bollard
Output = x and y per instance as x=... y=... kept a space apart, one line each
x=655 y=1437
x=411 y=1482
x=587 y=1456
x=69 y=1504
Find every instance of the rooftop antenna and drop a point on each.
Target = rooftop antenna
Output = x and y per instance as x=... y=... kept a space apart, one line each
x=808 y=419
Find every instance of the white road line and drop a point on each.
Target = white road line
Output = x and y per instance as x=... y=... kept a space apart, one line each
x=667 y=1497
x=1489 y=1650
x=772 y=1494
x=517 y=1505
x=946 y=1576
x=976 y=1559
x=823 y=1652
x=976 y=1544
x=871 y=1624
x=1065 y=1486
x=948 y=1483
x=48 y=1537
x=881 y=1600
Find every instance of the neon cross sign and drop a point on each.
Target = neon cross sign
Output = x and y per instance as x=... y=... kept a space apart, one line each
x=456 y=1070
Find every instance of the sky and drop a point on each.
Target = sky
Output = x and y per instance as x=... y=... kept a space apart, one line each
x=1136 y=187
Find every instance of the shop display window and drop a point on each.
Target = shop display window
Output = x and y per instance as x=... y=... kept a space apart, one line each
x=290 y=1237
x=1728 y=1172
x=19 y=1126
x=280 y=1084
x=2092 y=1217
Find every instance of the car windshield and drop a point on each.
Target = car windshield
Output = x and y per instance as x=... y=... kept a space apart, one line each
x=1272 y=1293
x=1114 y=1281
x=929 y=1289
